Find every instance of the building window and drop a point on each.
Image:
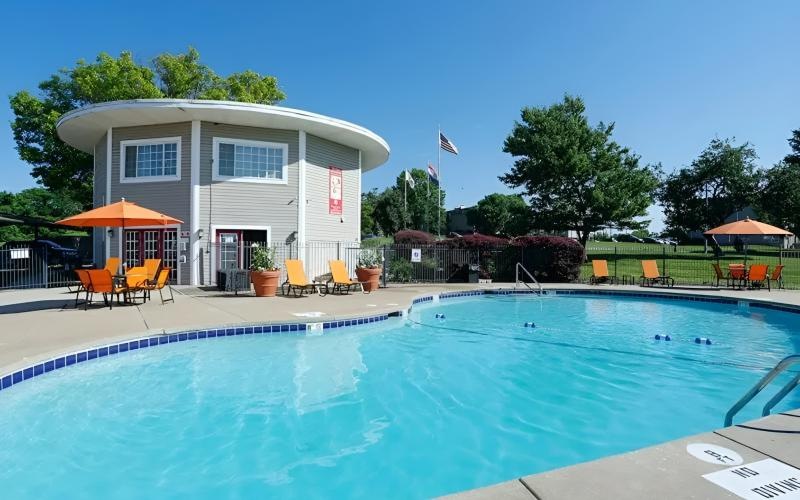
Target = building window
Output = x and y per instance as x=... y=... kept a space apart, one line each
x=150 y=160
x=250 y=161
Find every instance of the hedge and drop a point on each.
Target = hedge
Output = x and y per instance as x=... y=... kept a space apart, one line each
x=554 y=259
x=412 y=236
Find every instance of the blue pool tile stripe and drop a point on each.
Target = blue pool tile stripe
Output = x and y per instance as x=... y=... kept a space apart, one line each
x=152 y=341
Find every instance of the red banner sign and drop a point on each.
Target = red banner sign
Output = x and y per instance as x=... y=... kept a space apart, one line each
x=335 y=189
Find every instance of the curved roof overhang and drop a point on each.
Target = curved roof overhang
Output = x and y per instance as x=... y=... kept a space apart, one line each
x=82 y=128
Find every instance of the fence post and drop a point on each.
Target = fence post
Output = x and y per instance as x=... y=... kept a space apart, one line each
x=616 y=278
x=383 y=260
x=664 y=259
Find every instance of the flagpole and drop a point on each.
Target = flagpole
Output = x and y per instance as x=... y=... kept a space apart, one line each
x=439 y=175
x=405 y=202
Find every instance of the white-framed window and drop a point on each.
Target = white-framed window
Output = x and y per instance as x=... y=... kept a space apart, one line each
x=150 y=160
x=241 y=160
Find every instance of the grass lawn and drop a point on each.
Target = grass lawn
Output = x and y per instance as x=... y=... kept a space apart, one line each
x=688 y=264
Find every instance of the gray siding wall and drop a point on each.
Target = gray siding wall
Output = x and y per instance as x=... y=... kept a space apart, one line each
x=320 y=225
x=237 y=204
x=98 y=199
x=169 y=197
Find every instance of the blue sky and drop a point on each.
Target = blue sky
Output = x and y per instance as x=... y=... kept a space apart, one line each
x=671 y=75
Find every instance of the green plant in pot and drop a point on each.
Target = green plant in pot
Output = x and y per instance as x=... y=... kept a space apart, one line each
x=370 y=267
x=264 y=274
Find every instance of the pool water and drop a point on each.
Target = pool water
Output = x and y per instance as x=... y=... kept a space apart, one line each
x=408 y=408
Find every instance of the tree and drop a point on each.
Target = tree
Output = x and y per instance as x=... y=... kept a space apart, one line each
x=501 y=214
x=722 y=180
x=34 y=202
x=780 y=197
x=402 y=207
x=369 y=225
x=68 y=171
x=576 y=177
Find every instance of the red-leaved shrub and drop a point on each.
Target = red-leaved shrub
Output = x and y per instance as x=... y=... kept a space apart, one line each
x=408 y=236
x=476 y=240
x=551 y=258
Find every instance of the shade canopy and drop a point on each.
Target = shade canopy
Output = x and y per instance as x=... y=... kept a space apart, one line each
x=120 y=214
x=748 y=226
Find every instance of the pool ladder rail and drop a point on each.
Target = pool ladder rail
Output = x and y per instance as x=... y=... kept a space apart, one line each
x=519 y=267
x=762 y=384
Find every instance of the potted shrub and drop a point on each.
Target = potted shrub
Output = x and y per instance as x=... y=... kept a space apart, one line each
x=369 y=269
x=264 y=274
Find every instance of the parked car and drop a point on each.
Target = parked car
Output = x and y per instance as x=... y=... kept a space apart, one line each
x=56 y=254
x=628 y=238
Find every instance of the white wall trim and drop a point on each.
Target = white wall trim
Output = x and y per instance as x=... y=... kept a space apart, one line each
x=212 y=261
x=358 y=202
x=140 y=142
x=194 y=216
x=215 y=175
x=109 y=162
x=302 y=197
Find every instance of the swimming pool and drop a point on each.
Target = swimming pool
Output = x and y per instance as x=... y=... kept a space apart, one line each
x=406 y=408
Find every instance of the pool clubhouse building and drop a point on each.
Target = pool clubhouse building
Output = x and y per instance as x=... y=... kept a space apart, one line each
x=234 y=173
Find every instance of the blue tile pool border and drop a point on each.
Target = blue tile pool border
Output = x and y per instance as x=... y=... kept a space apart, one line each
x=10 y=379
x=40 y=368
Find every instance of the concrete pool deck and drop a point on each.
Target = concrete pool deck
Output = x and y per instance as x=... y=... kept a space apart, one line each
x=39 y=324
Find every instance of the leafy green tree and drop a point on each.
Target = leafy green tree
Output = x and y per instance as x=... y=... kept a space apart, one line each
x=501 y=214
x=417 y=211
x=369 y=225
x=780 y=197
x=68 y=171
x=722 y=180
x=576 y=177
x=34 y=202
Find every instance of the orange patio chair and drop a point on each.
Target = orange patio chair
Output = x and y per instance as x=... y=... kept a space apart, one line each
x=719 y=275
x=152 y=266
x=297 y=282
x=651 y=275
x=136 y=281
x=101 y=281
x=85 y=286
x=777 y=276
x=599 y=272
x=112 y=265
x=758 y=276
x=340 y=278
x=161 y=282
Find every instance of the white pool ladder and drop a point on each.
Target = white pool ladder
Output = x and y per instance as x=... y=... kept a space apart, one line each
x=517 y=281
x=762 y=384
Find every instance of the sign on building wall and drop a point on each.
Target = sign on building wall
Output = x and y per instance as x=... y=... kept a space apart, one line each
x=335 y=190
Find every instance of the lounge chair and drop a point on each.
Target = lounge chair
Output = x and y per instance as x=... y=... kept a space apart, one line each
x=152 y=266
x=758 y=276
x=161 y=282
x=777 y=276
x=101 y=281
x=136 y=281
x=112 y=265
x=297 y=282
x=600 y=272
x=651 y=275
x=340 y=278
x=719 y=275
x=85 y=285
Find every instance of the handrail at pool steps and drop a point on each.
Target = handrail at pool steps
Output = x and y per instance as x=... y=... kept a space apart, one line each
x=762 y=384
x=517 y=281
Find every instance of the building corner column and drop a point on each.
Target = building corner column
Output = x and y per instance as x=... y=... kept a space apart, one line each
x=301 y=196
x=358 y=202
x=109 y=145
x=194 y=216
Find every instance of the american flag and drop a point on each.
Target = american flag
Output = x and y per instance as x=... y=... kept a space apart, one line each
x=445 y=144
x=433 y=175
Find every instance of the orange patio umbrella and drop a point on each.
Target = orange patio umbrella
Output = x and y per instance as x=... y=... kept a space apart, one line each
x=748 y=226
x=120 y=214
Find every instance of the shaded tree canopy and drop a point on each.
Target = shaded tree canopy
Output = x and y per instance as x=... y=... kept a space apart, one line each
x=576 y=177
x=722 y=180
x=501 y=214
x=62 y=168
x=780 y=197
x=34 y=202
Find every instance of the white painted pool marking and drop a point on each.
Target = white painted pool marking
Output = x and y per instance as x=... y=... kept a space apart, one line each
x=758 y=480
x=311 y=314
x=714 y=454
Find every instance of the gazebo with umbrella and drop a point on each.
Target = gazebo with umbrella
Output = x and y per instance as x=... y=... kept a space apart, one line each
x=120 y=214
x=747 y=227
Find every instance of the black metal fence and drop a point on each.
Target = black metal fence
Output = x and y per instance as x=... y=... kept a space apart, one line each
x=27 y=267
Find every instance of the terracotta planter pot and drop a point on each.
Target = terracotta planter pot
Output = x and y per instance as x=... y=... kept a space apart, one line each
x=370 y=277
x=265 y=283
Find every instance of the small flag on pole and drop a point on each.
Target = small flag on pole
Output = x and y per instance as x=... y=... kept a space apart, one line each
x=433 y=175
x=445 y=144
x=410 y=179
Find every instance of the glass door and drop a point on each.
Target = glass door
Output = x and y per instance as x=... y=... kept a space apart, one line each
x=228 y=249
